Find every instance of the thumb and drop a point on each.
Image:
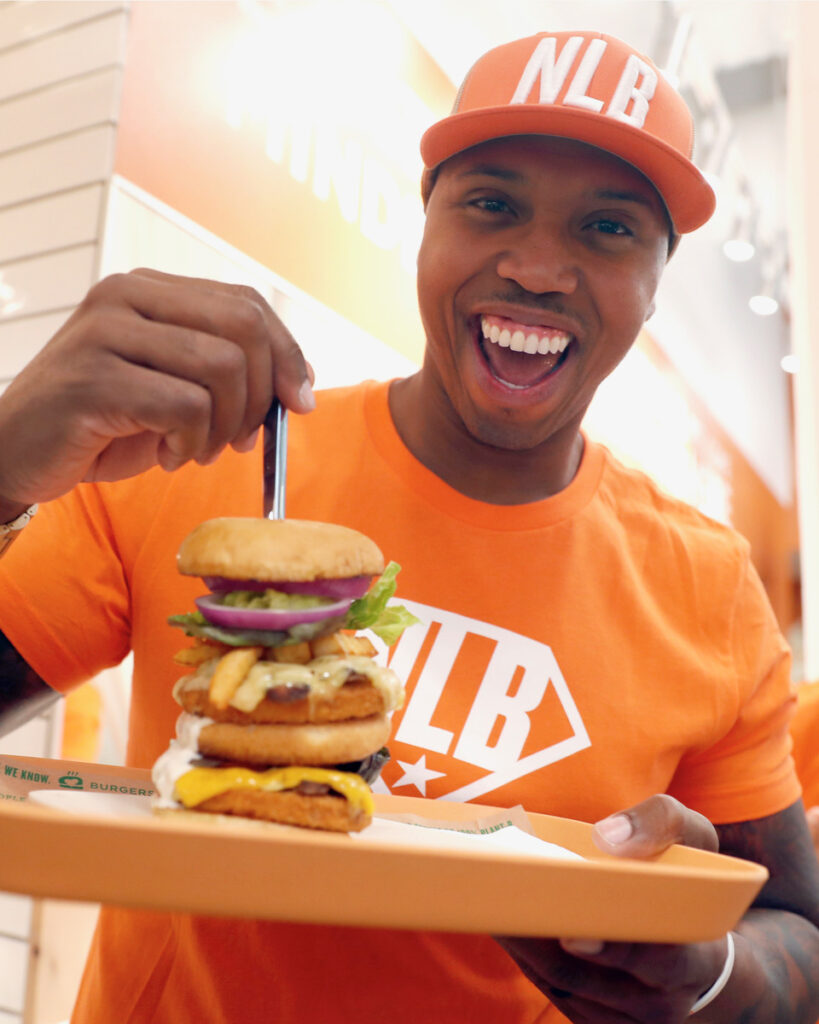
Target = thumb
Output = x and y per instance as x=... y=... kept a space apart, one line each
x=812 y=815
x=650 y=827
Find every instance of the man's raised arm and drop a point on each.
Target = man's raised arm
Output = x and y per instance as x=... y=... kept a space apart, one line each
x=23 y=694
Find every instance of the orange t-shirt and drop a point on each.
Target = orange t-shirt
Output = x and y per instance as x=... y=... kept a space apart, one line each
x=805 y=735
x=575 y=656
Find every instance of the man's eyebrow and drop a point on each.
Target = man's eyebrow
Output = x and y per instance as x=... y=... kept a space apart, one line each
x=491 y=171
x=626 y=196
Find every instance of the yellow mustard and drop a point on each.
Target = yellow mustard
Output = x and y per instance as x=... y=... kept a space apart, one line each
x=200 y=784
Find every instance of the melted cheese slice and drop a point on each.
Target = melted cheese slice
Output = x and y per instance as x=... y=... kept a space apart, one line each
x=200 y=784
x=323 y=675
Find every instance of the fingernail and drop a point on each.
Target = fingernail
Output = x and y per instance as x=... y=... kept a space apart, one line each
x=616 y=829
x=247 y=444
x=586 y=947
x=306 y=397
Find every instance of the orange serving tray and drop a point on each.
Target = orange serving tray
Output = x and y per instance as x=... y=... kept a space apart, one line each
x=230 y=867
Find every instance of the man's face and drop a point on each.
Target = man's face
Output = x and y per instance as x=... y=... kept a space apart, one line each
x=543 y=243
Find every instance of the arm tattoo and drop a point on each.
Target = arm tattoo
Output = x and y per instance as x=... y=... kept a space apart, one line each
x=23 y=694
x=782 y=927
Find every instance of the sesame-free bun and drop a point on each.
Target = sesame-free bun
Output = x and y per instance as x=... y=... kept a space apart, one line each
x=277 y=549
x=317 y=744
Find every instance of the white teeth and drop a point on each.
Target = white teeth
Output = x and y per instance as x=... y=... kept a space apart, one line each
x=519 y=341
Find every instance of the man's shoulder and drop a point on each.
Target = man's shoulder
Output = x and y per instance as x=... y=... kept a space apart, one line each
x=641 y=503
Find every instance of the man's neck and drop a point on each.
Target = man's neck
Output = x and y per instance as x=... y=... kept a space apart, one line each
x=498 y=476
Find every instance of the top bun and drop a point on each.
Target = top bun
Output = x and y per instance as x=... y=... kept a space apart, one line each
x=277 y=549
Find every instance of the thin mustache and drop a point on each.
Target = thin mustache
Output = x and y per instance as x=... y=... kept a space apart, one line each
x=539 y=304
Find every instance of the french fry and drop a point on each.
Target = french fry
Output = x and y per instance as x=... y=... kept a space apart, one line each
x=230 y=673
x=342 y=644
x=200 y=653
x=292 y=654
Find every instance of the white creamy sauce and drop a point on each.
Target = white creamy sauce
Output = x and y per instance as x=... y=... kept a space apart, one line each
x=178 y=758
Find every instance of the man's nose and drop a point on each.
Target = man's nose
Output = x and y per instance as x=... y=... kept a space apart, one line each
x=539 y=261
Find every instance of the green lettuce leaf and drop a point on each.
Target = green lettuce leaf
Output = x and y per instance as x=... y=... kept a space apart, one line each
x=195 y=624
x=371 y=611
x=368 y=612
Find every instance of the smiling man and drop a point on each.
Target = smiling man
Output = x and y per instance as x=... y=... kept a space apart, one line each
x=589 y=647
x=538 y=268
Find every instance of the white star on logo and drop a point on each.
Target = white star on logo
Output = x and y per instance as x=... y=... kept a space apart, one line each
x=417 y=775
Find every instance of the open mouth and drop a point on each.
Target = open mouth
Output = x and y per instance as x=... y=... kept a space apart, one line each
x=521 y=355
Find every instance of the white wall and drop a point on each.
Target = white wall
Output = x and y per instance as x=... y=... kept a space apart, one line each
x=60 y=71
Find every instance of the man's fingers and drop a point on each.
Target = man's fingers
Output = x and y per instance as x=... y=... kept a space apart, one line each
x=582 y=991
x=191 y=356
x=618 y=981
x=241 y=314
x=151 y=369
x=659 y=966
x=178 y=412
x=238 y=316
x=652 y=826
x=812 y=815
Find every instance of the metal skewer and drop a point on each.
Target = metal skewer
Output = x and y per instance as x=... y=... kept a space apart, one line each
x=275 y=460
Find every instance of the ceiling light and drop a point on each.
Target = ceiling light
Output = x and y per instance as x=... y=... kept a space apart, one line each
x=763 y=304
x=789 y=363
x=740 y=250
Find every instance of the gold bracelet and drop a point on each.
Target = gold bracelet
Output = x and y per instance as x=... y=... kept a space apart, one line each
x=8 y=531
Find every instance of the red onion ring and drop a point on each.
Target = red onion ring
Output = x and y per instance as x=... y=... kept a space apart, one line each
x=266 y=618
x=341 y=587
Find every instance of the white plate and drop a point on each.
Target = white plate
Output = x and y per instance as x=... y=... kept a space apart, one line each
x=104 y=805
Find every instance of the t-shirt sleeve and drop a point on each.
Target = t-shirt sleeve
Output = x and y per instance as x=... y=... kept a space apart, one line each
x=805 y=736
x=64 y=595
x=748 y=773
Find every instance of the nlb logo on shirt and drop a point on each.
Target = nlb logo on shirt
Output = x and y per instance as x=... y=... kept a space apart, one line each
x=636 y=85
x=485 y=707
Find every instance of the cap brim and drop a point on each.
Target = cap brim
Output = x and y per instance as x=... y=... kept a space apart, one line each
x=688 y=196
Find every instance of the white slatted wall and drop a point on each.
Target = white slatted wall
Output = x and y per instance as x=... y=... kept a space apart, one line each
x=60 y=75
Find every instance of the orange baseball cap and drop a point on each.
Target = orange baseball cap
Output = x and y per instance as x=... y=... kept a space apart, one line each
x=584 y=86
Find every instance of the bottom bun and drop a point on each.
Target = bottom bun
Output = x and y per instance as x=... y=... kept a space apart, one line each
x=328 y=743
x=287 y=807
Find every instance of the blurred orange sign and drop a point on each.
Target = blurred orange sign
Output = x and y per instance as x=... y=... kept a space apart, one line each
x=292 y=133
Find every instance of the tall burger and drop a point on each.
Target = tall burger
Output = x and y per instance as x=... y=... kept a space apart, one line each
x=285 y=714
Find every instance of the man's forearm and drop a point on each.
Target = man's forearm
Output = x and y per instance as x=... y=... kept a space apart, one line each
x=23 y=694
x=776 y=973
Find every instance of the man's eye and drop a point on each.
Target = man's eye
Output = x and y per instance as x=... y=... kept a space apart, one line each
x=610 y=227
x=491 y=204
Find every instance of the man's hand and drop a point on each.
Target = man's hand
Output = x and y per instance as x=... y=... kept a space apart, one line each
x=591 y=981
x=151 y=369
x=813 y=824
